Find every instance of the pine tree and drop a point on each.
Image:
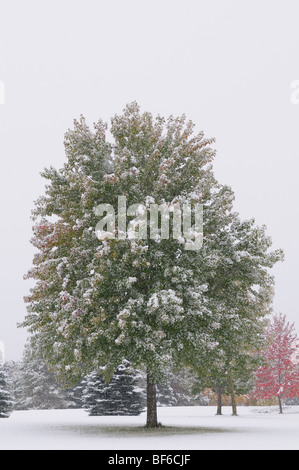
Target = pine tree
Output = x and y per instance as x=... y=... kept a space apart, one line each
x=182 y=384
x=14 y=372
x=36 y=388
x=279 y=376
x=6 y=403
x=176 y=389
x=165 y=391
x=76 y=395
x=121 y=396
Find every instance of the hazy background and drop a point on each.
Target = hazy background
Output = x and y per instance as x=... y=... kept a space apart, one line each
x=227 y=64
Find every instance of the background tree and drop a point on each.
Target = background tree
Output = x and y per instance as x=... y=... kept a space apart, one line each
x=213 y=377
x=241 y=291
x=279 y=376
x=36 y=388
x=165 y=391
x=76 y=395
x=182 y=383
x=6 y=403
x=121 y=396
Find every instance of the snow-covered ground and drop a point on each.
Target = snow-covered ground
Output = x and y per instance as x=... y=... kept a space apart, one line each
x=185 y=428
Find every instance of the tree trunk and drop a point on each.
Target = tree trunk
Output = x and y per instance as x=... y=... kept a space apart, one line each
x=152 y=416
x=280 y=405
x=232 y=393
x=219 y=404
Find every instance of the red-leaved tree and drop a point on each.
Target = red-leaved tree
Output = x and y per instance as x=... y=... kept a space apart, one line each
x=279 y=376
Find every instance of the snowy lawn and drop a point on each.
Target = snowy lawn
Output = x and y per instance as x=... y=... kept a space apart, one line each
x=185 y=428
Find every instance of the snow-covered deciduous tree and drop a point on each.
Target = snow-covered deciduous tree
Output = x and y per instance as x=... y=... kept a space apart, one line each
x=279 y=376
x=241 y=290
x=151 y=301
x=121 y=396
x=6 y=403
x=222 y=381
x=214 y=377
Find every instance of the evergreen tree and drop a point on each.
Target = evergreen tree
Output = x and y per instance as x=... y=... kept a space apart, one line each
x=76 y=395
x=292 y=401
x=165 y=391
x=14 y=373
x=121 y=396
x=176 y=389
x=36 y=388
x=6 y=404
x=182 y=384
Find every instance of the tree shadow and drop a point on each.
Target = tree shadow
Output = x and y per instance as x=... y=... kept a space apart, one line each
x=113 y=431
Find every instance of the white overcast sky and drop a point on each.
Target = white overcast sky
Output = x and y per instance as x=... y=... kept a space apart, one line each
x=227 y=64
